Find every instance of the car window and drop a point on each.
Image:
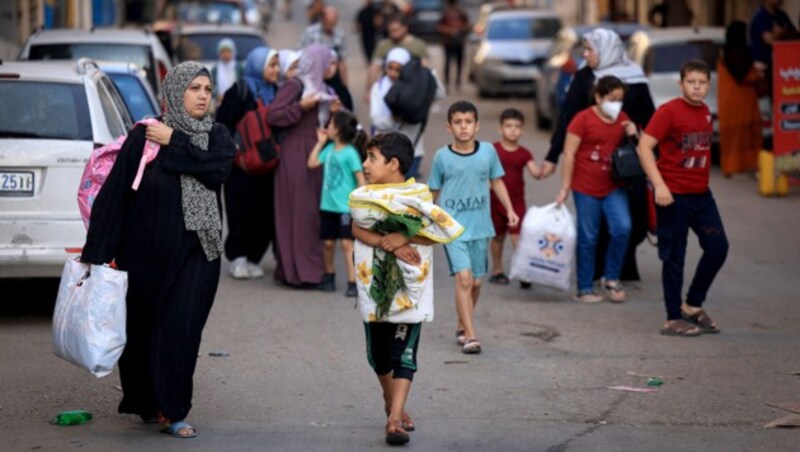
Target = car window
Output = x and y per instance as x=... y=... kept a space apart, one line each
x=670 y=57
x=427 y=5
x=44 y=110
x=115 y=125
x=203 y=47
x=522 y=28
x=141 y=55
x=135 y=96
x=210 y=12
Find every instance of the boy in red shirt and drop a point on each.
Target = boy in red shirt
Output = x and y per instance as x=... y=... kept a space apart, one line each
x=515 y=159
x=682 y=129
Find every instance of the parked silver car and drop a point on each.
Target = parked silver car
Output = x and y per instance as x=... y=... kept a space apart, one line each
x=131 y=82
x=199 y=42
x=511 y=51
x=140 y=47
x=52 y=115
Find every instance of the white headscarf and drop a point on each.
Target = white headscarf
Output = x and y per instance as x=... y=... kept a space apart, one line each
x=613 y=60
x=226 y=71
x=380 y=114
x=287 y=58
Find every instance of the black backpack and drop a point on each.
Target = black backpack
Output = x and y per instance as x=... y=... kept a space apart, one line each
x=411 y=96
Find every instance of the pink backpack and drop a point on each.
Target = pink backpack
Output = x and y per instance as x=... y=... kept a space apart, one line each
x=99 y=166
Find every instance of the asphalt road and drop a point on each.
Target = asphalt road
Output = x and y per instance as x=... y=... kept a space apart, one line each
x=297 y=376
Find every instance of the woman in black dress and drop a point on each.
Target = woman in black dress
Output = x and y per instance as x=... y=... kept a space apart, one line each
x=605 y=55
x=167 y=236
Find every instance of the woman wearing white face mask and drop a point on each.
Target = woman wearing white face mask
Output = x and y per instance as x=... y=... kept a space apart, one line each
x=592 y=137
x=605 y=55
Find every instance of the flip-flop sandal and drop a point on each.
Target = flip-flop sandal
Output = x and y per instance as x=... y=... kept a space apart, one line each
x=460 y=338
x=175 y=428
x=499 y=278
x=681 y=328
x=396 y=436
x=702 y=320
x=471 y=347
x=407 y=424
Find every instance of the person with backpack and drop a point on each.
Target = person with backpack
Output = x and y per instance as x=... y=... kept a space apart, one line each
x=410 y=88
x=249 y=198
x=167 y=235
x=301 y=105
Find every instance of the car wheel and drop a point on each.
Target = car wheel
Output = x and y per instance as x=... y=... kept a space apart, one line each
x=483 y=93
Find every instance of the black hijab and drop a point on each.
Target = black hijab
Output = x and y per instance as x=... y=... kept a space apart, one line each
x=736 y=53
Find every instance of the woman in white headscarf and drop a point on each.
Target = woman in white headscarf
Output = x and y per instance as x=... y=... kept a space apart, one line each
x=605 y=55
x=289 y=59
x=381 y=116
x=226 y=71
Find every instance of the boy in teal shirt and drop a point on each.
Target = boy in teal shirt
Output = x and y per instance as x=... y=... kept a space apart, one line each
x=461 y=175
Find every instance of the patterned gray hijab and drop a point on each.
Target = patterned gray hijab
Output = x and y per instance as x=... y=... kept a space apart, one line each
x=200 y=208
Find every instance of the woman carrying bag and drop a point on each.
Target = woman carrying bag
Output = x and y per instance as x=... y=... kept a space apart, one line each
x=605 y=55
x=249 y=198
x=167 y=236
x=592 y=137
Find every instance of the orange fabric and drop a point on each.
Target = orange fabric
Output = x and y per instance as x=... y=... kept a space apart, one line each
x=739 y=121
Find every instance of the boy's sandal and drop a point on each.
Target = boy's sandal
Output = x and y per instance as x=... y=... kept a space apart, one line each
x=681 y=328
x=499 y=278
x=180 y=429
x=461 y=339
x=615 y=292
x=471 y=347
x=396 y=435
x=702 y=320
x=407 y=424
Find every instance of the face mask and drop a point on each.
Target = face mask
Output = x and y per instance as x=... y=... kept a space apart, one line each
x=611 y=108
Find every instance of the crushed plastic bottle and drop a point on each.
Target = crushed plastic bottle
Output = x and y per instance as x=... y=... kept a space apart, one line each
x=654 y=381
x=74 y=417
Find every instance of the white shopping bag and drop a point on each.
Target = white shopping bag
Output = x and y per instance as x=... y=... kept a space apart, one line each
x=546 y=247
x=89 y=318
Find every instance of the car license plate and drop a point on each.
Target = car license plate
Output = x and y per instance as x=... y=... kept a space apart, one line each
x=16 y=183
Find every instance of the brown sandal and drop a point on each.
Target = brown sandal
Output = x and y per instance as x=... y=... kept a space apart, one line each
x=702 y=320
x=680 y=328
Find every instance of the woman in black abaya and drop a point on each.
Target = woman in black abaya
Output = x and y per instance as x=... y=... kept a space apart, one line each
x=167 y=236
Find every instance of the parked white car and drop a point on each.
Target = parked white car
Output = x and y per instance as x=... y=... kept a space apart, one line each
x=511 y=50
x=661 y=52
x=140 y=47
x=199 y=42
x=52 y=115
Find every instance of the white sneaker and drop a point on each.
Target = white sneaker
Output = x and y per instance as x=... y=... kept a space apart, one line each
x=254 y=270
x=238 y=268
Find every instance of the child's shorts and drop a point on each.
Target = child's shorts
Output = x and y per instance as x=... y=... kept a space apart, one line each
x=468 y=255
x=392 y=347
x=334 y=226
x=500 y=217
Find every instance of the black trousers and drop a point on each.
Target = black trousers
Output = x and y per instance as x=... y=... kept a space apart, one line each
x=250 y=210
x=453 y=52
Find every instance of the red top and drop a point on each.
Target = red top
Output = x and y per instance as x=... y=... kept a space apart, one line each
x=684 y=133
x=514 y=165
x=592 y=172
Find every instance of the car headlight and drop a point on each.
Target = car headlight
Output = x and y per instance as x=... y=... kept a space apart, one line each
x=482 y=53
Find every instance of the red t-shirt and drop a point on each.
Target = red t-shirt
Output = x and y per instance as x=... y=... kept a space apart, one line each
x=592 y=172
x=514 y=163
x=684 y=132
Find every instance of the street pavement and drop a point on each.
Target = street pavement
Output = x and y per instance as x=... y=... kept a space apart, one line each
x=297 y=379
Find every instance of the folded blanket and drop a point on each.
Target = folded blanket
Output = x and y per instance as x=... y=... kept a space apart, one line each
x=389 y=289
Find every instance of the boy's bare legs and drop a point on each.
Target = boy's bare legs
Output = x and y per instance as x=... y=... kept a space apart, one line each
x=329 y=250
x=347 y=250
x=395 y=394
x=497 y=254
x=465 y=303
x=514 y=240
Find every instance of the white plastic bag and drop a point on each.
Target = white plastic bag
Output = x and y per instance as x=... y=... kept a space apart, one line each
x=546 y=247
x=89 y=318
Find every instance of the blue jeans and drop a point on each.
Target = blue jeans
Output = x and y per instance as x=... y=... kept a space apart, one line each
x=590 y=210
x=698 y=213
